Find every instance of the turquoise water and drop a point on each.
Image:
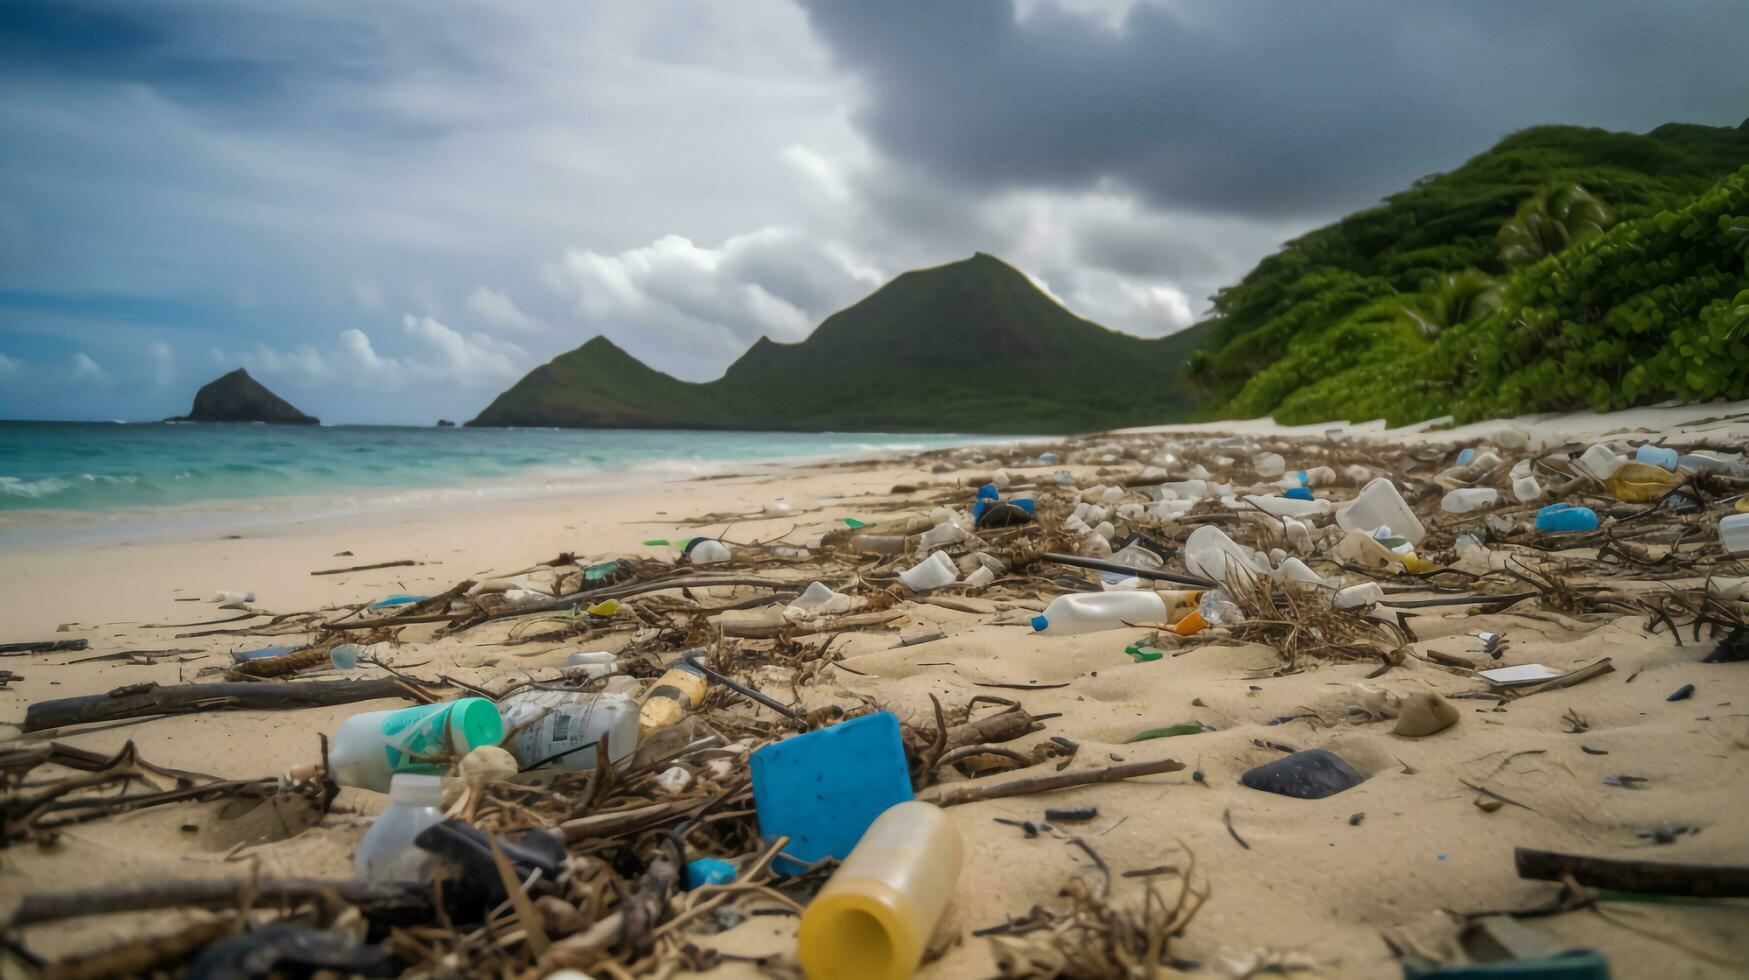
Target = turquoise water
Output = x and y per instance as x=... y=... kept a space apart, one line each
x=97 y=467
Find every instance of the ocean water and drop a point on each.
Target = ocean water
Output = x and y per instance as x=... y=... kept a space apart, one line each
x=95 y=468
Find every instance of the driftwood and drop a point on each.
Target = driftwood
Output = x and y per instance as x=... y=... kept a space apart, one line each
x=287 y=663
x=174 y=893
x=765 y=631
x=977 y=791
x=140 y=700
x=42 y=646
x=1649 y=877
x=366 y=568
x=141 y=957
x=619 y=821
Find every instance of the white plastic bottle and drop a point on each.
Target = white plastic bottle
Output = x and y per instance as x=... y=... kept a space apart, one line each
x=1364 y=594
x=1601 y=462
x=940 y=536
x=1091 y=612
x=1526 y=489
x=708 y=552
x=1467 y=499
x=370 y=748
x=1210 y=553
x=563 y=729
x=387 y=852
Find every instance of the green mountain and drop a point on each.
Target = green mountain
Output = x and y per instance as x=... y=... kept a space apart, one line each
x=1564 y=267
x=972 y=346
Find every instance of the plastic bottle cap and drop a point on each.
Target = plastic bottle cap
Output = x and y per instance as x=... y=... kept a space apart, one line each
x=1039 y=624
x=416 y=789
x=476 y=722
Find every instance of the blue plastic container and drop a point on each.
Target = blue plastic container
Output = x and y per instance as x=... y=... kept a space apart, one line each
x=989 y=492
x=1657 y=456
x=823 y=789
x=1565 y=519
x=265 y=653
x=1299 y=493
x=1465 y=456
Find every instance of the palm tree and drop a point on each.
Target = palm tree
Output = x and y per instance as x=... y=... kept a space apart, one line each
x=1553 y=219
x=1451 y=299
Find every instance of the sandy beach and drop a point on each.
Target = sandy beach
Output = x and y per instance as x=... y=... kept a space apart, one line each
x=1319 y=887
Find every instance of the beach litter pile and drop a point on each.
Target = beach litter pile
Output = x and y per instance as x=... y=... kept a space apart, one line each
x=671 y=762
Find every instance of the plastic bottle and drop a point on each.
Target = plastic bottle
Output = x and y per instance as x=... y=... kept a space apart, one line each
x=980 y=577
x=931 y=573
x=227 y=598
x=1285 y=506
x=940 y=536
x=347 y=656
x=1294 y=570
x=1379 y=505
x=1641 y=483
x=1364 y=594
x=879 y=544
x=1565 y=519
x=706 y=551
x=594 y=663
x=1734 y=533
x=674 y=694
x=387 y=852
x=817 y=599
x=1464 y=500
x=563 y=729
x=369 y=748
x=1526 y=489
x=874 y=916
x=1091 y=612
x=1657 y=456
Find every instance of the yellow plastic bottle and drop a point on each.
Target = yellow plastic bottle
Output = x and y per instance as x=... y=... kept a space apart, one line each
x=675 y=693
x=1642 y=483
x=874 y=917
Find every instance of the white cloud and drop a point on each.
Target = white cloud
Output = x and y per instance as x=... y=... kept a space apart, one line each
x=162 y=363
x=498 y=310
x=773 y=282
x=435 y=355
x=86 y=369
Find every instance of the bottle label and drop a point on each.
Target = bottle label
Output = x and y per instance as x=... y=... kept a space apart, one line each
x=417 y=739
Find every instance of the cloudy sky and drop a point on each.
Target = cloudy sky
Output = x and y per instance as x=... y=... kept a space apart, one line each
x=389 y=210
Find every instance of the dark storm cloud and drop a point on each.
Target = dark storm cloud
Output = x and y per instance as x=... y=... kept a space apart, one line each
x=1267 y=108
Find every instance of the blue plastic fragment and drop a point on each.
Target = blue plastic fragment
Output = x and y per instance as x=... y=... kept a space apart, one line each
x=1578 y=964
x=1465 y=456
x=1565 y=519
x=396 y=600
x=1027 y=504
x=824 y=788
x=265 y=653
x=989 y=492
x=708 y=871
x=1299 y=493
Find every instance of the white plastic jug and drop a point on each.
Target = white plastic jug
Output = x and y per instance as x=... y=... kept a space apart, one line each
x=563 y=729
x=1526 y=489
x=931 y=573
x=387 y=852
x=1467 y=499
x=1380 y=505
x=940 y=536
x=1091 y=612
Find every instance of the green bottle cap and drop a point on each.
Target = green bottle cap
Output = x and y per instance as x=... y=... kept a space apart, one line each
x=475 y=722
